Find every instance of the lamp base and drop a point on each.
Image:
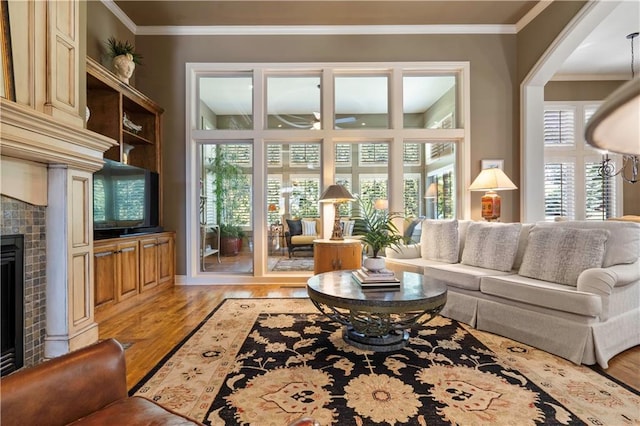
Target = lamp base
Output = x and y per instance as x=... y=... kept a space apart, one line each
x=491 y=206
x=337 y=229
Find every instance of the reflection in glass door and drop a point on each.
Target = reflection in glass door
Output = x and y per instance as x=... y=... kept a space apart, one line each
x=293 y=211
x=226 y=232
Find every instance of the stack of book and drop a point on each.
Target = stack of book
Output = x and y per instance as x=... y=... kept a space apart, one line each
x=382 y=278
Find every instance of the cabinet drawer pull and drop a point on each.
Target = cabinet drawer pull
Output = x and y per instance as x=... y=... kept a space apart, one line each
x=163 y=243
x=149 y=245
x=124 y=250
x=104 y=253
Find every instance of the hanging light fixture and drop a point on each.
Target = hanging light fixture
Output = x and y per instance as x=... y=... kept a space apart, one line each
x=615 y=126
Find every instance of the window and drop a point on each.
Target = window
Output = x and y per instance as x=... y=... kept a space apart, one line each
x=574 y=188
x=290 y=116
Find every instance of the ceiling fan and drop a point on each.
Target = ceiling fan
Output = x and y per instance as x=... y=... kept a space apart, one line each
x=316 y=123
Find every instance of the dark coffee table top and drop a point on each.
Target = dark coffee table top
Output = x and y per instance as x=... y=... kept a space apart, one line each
x=340 y=289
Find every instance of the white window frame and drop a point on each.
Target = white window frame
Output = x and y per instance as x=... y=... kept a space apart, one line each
x=396 y=135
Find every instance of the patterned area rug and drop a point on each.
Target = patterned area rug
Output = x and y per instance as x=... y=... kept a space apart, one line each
x=271 y=361
x=294 y=264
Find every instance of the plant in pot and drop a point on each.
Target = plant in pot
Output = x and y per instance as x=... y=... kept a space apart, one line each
x=124 y=58
x=228 y=179
x=230 y=237
x=377 y=232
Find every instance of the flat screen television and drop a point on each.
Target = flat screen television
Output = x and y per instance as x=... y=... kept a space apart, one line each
x=125 y=200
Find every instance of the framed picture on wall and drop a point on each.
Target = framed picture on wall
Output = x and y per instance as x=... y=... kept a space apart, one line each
x=491 y=164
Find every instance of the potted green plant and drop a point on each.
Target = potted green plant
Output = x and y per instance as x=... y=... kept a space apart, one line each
x=124 y=58
x=230 y=237
x=378 y=232
x=228 y=178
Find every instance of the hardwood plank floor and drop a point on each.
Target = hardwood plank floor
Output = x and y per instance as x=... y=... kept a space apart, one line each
x=155 y=327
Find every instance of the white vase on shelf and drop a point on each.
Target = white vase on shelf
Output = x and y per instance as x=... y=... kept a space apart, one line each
x=123 y=67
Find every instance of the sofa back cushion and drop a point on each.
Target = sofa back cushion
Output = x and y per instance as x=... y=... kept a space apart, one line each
x=491 y=245
x=560 y=254
x=623 y=244
x=439 y=240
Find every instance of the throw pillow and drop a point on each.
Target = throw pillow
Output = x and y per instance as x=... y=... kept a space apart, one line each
x=560 y=254
x=347 y=227
x=439 y=240
x=309 y=227
x=295 y=226
x=491 y=245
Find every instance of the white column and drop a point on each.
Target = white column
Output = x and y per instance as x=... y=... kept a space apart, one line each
x=70 y=321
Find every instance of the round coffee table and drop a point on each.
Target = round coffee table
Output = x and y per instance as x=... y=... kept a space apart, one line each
x=377 y=319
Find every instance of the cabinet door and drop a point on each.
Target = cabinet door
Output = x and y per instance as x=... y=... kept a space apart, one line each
x=349 y=256
x=148 y=263
x=129 y=271
x=105 y=267
x=165 y=259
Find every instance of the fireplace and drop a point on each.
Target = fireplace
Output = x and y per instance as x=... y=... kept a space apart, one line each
x=11 y=303
x=28 y=221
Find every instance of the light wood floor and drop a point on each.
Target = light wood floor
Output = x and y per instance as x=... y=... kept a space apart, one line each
x=155 y=327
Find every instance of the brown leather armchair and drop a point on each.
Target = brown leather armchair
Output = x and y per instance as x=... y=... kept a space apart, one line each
x=87 y=386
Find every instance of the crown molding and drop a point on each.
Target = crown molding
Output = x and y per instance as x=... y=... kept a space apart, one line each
x=589 y=77
x=326 y=29
x=126 y=21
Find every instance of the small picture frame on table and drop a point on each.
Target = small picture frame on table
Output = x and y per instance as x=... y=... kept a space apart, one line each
x=492 y=164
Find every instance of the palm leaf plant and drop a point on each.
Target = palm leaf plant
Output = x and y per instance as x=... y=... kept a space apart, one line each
x=379 y=231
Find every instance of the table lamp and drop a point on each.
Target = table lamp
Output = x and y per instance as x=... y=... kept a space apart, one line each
x=491 y=180
x=336 y=194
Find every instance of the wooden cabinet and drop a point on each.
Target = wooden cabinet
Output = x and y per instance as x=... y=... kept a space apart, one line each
x=117 y=266
x=126 y=270
x=113 y=105
x=148 y=263
x=334 y=255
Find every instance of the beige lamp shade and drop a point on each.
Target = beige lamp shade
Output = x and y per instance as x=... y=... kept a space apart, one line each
x=336 y=193
x=493 y=179
x=381 y=204
x=432 y=191
x=615 y=126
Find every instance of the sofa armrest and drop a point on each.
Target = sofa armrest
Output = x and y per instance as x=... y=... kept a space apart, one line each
x=66 y=388
x=603 y=280
x=409 y=251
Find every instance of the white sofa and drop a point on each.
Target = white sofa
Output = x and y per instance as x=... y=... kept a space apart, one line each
x=570 y=288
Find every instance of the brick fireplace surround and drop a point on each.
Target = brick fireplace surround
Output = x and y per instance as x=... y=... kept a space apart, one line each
x=19 y=217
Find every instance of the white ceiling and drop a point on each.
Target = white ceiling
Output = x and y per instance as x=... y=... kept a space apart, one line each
x=606 y=51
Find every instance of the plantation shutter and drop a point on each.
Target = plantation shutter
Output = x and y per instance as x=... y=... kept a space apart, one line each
x=574 y=188
x=559 y=126
x=559 y=184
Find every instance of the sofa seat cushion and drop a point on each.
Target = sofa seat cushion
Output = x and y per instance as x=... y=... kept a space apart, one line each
x=134 y=411
x=543 y=293
x=460 y=275
x=303 y=239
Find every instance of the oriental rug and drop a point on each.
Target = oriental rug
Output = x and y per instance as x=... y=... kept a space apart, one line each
x=271 y=361
x=294 y=264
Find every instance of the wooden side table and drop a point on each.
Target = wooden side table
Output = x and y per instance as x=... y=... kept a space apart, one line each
x=335 y=255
